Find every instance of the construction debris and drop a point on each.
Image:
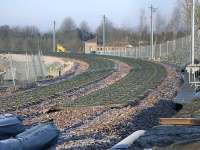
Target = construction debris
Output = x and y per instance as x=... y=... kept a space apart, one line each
x=162 y=136
x=179 y=121
x=36 y=138
x=10 y=125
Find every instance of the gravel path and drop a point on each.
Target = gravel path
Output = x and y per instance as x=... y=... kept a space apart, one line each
x=101 y=127
x=71 y=95
x=114 y=124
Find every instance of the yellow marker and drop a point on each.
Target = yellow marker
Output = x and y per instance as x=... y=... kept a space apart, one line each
x=60 y=48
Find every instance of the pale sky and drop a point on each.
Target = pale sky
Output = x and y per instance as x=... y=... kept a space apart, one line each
x=41 y=13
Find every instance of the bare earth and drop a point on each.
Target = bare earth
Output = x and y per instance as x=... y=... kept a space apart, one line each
x=45 y=59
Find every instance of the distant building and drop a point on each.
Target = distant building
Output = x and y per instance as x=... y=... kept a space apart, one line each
x=91 y=46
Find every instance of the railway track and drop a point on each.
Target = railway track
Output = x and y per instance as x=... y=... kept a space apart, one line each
x=67 y=98
x=107 y=128
x=22 y=100
x=88 y=118
x=76 y=118
x=145 y=75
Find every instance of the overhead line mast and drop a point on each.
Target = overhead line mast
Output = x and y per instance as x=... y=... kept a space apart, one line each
x=152 y=32
x=104 y=31
x=193 y=28
x=54 y=36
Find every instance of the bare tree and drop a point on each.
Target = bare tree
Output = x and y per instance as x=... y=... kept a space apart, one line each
x=160 y=23
x=109 y=28
x=143 y=27
x=68 y=35
x=174 y=25
x=186 y=10
x=84 y=27
x=85 y=31
x=68 y=25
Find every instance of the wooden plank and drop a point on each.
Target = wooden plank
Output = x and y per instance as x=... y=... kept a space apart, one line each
x=179 y=121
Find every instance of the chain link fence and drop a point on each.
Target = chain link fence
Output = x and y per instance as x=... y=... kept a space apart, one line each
x=177 y=51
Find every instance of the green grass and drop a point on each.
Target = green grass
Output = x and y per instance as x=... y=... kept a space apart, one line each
x=98 y=67
x=143 y=76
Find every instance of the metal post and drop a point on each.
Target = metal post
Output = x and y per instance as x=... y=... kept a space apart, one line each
x=27 y=68
x=149 y=51
x=193 y=26
x=152 y=50
x=160 y=50
x=152 y=32
x=174 y=45
x=104 y=31
x=12 y=70
x=54 y=36
x=189 y=76
x=182 y=47
x=38 y=42
x=167 y=49
x=139 y=53
x=136 y=53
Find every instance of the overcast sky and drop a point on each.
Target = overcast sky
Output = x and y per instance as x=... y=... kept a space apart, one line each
x=41 y=13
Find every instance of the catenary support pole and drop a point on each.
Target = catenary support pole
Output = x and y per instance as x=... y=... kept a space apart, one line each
x=152 y=32
x=54 y=36
x=193 y=26
x=104 y=31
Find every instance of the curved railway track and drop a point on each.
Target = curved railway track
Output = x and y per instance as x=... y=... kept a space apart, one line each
x=92 y=101
x=144 y=75
x=71 y=95
x=22 y=99
x=81 y=123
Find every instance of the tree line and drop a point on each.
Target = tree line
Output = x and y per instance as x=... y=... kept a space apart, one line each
x=72 y=37
x=31 y=39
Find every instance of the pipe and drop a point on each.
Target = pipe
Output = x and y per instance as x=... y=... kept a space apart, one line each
x=127 y=142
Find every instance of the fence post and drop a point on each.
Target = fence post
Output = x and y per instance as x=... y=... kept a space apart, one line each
x=167 y=49
x=160 y=51
x=175 y=45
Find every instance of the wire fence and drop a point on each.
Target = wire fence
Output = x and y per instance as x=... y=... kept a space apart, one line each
x=176 y=51
x=22 y=69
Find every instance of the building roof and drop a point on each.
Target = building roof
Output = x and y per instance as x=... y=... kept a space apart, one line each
x=118 y=44
x=91 y=41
